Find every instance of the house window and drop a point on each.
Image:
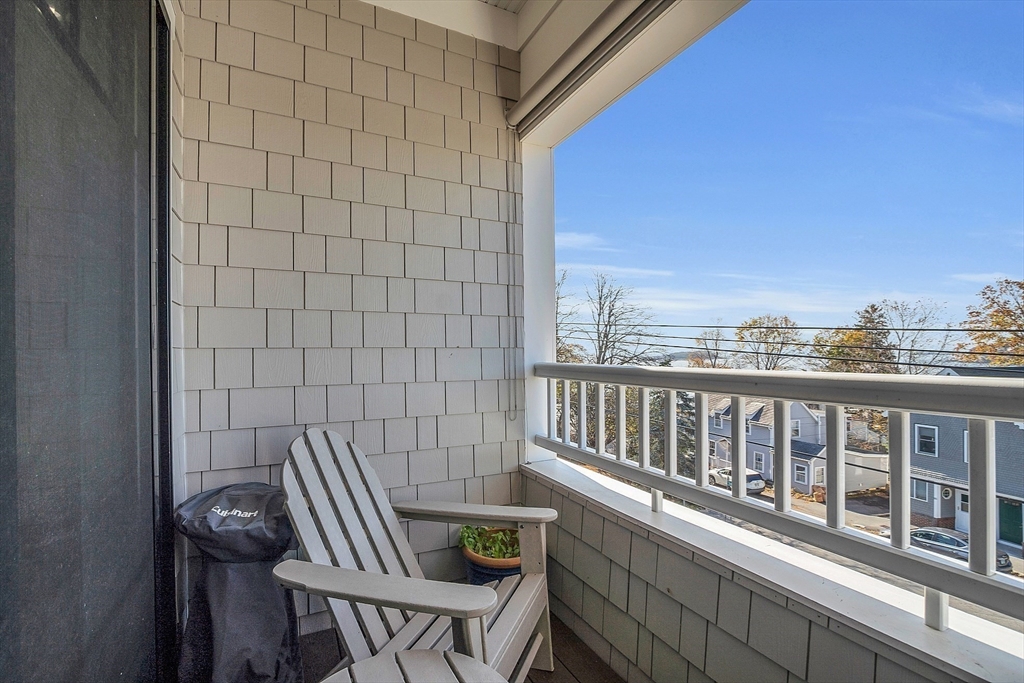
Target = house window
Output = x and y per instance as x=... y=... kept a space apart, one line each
x=759 y=461
x=711 y=447
x=819 y=476
x=967 y=446
x=849 y=424
x=748 y=426
x=800 y=474
x=718 y=420
x=918 y=489
x=926 y=440
x=794 y=427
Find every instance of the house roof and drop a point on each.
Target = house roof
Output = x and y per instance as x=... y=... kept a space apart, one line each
x=984 y=370
x=759 y=410
x=805 y=450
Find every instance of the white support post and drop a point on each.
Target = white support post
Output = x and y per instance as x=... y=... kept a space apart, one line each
x=566 y=409
x=936 y=609
x=582 y=429
x=835 y=466
x=538 y=289
x=738 y=412
x=783 y=471
x=645 y=427
x=899 y=479
x=599 y=435
x=700 y=438
x=620 y=422
x=981 y=484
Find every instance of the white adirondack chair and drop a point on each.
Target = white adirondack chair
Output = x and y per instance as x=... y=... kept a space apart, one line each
x=363 y=564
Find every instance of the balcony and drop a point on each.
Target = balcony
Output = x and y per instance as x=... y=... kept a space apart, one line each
x=341 y=214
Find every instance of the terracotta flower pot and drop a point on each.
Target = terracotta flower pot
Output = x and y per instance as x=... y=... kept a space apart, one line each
x=490 y=562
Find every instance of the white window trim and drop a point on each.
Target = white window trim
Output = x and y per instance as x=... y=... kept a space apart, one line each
x=917 y=440
x=761 y=468
x=967 y=446
x=817 y=471
x=716 y=420
x=712 y=447
x=794 y=425
x=747 y=425
x=798 y=471
x=913 y=489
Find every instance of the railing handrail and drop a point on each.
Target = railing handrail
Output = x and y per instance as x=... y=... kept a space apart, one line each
x=988 y=397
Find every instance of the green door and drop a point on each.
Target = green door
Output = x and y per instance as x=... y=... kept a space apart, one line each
x=1010 y=521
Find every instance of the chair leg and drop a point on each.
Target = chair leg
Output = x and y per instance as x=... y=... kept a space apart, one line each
x=545 y=659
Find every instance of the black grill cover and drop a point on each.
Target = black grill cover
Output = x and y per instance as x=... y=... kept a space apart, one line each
x=241 y=625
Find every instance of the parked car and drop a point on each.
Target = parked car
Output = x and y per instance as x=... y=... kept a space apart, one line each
x=723 y=477
x=952 y=543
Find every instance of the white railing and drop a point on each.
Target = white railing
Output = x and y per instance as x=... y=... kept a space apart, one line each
x=981 y=400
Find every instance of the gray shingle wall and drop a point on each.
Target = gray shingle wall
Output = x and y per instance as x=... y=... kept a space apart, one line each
x=350 y=249
x=657 y=611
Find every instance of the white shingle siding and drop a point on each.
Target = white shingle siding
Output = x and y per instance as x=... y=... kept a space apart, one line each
x=662 y=612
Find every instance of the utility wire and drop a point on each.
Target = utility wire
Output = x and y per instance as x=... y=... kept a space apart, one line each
x=805 y=356
x=807 y=327
x=650 y=335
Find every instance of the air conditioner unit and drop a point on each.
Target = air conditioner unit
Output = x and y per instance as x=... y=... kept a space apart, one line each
x=947 y=493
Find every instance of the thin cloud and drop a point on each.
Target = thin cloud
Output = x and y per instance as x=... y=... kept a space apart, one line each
x=621 y=271
x=983 y=278
x=978 y=103
x=583 y=241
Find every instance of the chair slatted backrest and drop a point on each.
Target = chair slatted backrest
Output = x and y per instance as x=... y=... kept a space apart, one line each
x=343 y=518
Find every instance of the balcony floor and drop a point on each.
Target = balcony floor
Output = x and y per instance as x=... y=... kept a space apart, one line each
x=574 y=661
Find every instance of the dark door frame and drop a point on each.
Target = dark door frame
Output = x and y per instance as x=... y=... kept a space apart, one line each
x=165 y=612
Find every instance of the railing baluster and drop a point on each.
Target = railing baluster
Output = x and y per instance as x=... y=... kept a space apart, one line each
x=566 y=409
x=835 y=466
x=620 y=422
x=700 y=437
x=599 y=435
x=645 y=427
x=668 y=448
x=899 y=479
x=783 y=472
x=739 y=446
x=582 y=430
x=552 y=408
x=671 y=440
x=981 y=485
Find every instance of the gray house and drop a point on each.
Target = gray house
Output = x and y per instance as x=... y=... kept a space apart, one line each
x=939 y=460
x=806 y=429
x=864 y=469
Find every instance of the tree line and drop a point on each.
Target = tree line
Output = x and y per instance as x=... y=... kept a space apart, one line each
x=889 y=336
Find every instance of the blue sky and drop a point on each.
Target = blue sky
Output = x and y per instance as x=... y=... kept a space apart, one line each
x=806 y=158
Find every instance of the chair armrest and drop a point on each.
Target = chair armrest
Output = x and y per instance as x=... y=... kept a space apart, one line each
x=456 y=600
x=477 y=515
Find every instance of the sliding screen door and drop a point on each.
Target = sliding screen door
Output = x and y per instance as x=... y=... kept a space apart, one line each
x=76 y=392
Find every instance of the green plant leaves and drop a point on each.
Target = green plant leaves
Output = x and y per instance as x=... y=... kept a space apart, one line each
x=490 y=542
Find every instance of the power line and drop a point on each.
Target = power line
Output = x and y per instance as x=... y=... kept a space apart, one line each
x=843 y=329
x=822 y=344
x=806 y=356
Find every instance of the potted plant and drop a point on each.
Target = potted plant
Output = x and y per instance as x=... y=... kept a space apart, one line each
x=491 y=553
